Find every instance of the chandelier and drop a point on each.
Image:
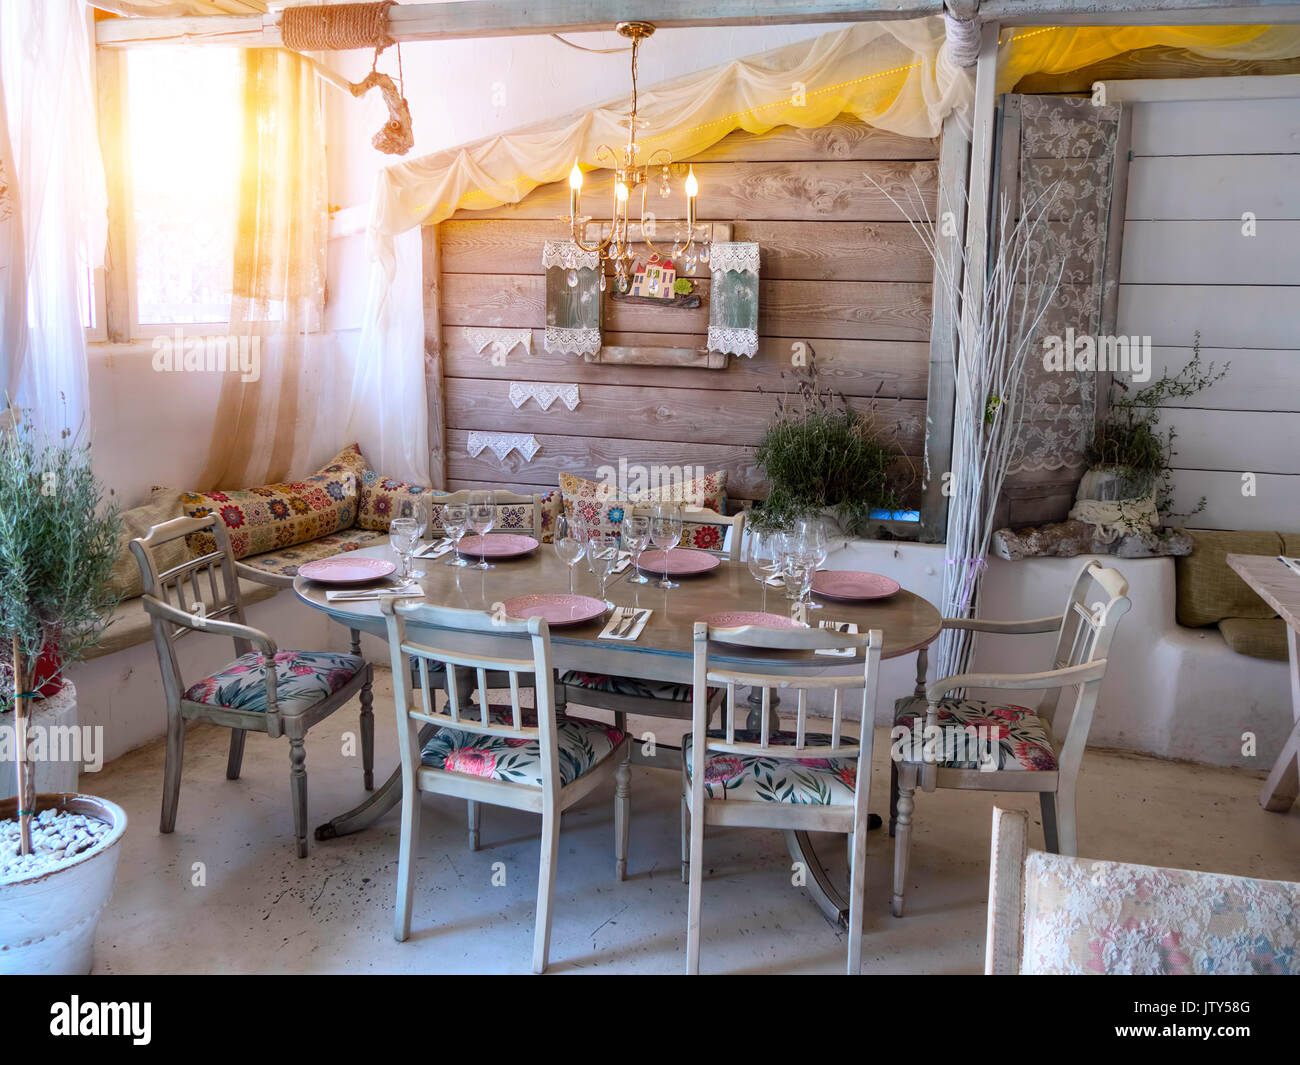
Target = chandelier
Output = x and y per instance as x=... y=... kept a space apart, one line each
x=630 y=175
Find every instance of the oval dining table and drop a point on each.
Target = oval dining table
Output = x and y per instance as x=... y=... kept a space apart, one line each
x=663 y=651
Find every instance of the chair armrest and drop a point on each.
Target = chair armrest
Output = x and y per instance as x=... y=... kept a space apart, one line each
x=157 y=608
x=1052 y=678
x=981 y=625
x=261 y=576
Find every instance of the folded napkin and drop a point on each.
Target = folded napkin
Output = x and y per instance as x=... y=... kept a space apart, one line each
x=775 y=581
x=624 y=560
x=620 y=618
x=433 y=550
x=343 y=595
x=850 y=627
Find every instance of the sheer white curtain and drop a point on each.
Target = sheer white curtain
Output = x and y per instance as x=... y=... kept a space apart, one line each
x=49 y=99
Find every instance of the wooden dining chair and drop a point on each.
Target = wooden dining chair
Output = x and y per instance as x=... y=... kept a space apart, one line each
x=265 y=689
x=500 y=754
x=815 y=782
x=1027 y=755
x=663 y=699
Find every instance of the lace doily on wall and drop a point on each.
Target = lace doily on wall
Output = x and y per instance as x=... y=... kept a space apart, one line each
x=572 y=341
x=741 y=256
x=502 y=341
x=731 y=341
x=544 y=394
x=568 y=256
x=501 y=444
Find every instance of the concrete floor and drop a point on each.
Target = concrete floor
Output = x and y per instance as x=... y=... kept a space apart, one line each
x=225 y=893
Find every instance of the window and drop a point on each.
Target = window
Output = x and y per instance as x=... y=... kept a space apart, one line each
x=183 y=119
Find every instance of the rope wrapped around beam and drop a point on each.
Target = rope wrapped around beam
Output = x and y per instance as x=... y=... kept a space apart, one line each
x=962 y=39
x=336 y=27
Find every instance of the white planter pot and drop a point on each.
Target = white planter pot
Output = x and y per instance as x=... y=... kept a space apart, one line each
x=58 y=712
x=47 y=921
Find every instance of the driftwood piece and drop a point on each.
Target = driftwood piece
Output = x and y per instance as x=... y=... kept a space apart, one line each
x=396 y=137
x=689 y=302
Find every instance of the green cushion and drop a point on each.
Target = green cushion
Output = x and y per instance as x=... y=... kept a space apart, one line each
x=1257 y=637
x=1208 y=590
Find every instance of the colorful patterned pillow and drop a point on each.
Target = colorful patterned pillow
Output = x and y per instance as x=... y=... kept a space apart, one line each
x=550 y=511
x=383 y=499
x=275 y=516
x=603 y=505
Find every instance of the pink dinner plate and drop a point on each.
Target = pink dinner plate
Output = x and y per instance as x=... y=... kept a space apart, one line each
x=852 y=585
x=683 y=563
x=500 y=545
x=343 y=569
x=558 y=608
x=734 y=619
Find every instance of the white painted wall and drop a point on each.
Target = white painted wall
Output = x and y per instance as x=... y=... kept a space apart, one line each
x=1198 y=167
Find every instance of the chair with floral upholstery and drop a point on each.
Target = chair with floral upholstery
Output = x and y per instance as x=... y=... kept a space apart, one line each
x=281 y=693
x=1052 y=914
x=815 y=782
x=501 y=754
x=984 y=745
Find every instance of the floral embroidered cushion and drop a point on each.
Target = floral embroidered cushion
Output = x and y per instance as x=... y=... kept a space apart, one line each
x=582 y=744
x=382 y=499
x=1015 y=736
x=603 y=505
x=1084 y=916
x=645 y=689
x=302 y=679
x=806 y=781
x=275 y=516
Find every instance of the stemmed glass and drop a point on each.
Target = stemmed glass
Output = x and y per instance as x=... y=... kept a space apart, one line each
x=402 y=533
x=762 y=559
x=482 y=516
x=636 y=538
x=666 y=533
x=422 y=513
x=568 y=545
x=455 y=523
x=815 y=545
x=602 y=550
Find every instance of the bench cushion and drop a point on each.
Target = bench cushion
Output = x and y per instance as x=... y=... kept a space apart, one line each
x=130 y=626
x=1257 y=637
x=272 y=517
x=583 y=745
x=302 y=679
x=1208 y=590
x=164 y=504
x=285 y=563
x=382 y=499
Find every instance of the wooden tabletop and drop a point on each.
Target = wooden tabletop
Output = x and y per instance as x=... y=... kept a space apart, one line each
x=663 y=650
x=1273 y=582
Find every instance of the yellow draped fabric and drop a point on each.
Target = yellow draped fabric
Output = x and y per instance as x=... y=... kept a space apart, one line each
x=894 y=75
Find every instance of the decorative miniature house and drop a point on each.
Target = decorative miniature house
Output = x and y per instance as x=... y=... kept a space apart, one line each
x=654 y=279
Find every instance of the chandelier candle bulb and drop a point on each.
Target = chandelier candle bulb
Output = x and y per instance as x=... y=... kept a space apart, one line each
x=575 y=191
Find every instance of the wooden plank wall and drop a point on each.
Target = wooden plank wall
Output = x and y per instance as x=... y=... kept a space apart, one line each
x=841 y=270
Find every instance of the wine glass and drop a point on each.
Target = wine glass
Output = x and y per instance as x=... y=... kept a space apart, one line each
x=402 y=533
x=422 y=514
x=482 y=516
x=812 y=535
x=568 y=545
x=762 y=559
x=602 y=550
x=666 y=533
x=455 y=523
x=636 y=538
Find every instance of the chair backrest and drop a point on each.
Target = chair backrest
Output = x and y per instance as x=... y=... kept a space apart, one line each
x=707 y=530
x=516 y=512
x=1050 y=913
x=1097 y=601
x=206 y=587
x=419 y=632
x=710 y=643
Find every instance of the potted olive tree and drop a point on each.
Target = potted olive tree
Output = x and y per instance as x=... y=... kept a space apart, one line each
x=58 y=852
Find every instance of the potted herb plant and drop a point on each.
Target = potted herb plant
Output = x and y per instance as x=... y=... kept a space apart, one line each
x=58 y=852
x=823 y=459
x=1129 y=455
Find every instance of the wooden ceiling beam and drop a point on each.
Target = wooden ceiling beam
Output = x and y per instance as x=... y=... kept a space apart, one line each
x=512 y=18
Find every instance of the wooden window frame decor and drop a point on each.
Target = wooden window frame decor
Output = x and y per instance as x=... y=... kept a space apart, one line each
x=733 y=298
x=573 y=298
